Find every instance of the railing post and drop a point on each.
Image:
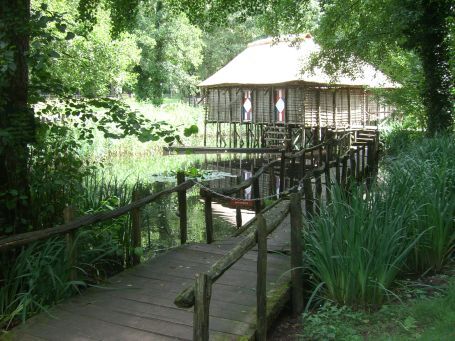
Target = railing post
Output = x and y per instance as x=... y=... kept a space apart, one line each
x=202 y=294
x=327 y=171
x=282 y=170
x=344 y=171
x=136 y=223
x=358 y=163
x=182 y=209
x=363 y=161
x=208 y=217
x=337 y=171
x=353 y=164
x=68 y=216
x=238 y=217
x=296 y=254
x=291 y=174
x=318 y=193
x=256 y=195
x=302 y=166
x=261 y=282
x=308 y=190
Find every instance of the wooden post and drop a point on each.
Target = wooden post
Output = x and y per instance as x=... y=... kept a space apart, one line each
x=182 y=209
x=302 y=166
x=363 y=161
x=256 y=195
x=208 y=217
x=292 y=170
x=337 y=171
x=202 y=294
x=238 y=217
x=282 y=170
x=344 y=171
x=261 y=284
x=358 y=163
x=327 y=170
x=296 y=255
x=308 y=190
x=68 y=216
x=136 y=230
x=318 y=194
x=353 y=164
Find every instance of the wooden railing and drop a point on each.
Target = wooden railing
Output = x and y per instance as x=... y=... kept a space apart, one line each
x=72 y=224
x=334 y=153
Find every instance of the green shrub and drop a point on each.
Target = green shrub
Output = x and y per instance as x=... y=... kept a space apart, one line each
x=425 y=173
x=357 y=249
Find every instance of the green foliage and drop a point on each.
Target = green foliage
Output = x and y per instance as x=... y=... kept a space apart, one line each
x=359 y=244
x=429 y=317
x=358 y=248
x=171 y=52
x=32 y=281
x=425 y=174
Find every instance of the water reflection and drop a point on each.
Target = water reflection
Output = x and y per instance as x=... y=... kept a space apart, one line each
x=161 y=230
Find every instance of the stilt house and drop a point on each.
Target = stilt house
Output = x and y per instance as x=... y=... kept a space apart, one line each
x=268 y=97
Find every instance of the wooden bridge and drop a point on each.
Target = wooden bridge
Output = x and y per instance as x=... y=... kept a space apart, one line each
x=230 y=289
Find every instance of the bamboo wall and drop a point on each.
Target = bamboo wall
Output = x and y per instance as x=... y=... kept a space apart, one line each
x=304 y=106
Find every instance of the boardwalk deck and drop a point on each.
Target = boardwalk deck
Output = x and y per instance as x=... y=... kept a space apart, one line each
x=138 y=304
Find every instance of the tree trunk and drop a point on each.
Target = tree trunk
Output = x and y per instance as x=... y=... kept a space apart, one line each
x=434 y=51
x=158 y=78
x=17 y=129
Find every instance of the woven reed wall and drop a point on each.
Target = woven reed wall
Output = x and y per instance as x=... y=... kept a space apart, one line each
x=309 y=106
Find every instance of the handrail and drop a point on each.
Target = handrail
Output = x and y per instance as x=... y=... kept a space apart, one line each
x=28 y=237
x=185 y=299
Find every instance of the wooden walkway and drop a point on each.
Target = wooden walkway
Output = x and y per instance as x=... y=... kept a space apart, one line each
x=138 y=304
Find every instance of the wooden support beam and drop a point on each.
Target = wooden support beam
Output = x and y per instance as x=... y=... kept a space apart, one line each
x=261 y=280
x=203 y=293
x=309 y=200
x=136 y=235
x=238 y=217
x=208 y=218
x=69 y=213
x=182 y=209
x=257 y=195
x=296 y=255
x=282 y=170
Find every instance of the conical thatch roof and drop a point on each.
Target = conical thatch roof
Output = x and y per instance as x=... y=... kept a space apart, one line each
x=268 y=61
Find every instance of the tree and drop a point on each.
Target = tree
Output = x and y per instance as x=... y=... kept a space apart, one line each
x=171 y=52
x=387 y=33
x=20 y=89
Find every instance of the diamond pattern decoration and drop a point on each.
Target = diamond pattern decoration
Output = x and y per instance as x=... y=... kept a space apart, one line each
x=280 y=105
x=247 y=105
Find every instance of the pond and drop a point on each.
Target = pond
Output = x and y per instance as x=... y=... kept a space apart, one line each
x=160 y=219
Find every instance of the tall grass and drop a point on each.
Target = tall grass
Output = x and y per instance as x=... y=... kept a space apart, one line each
x=36 y=278
x=356 y=249
x=405 y=224
x=425 y=172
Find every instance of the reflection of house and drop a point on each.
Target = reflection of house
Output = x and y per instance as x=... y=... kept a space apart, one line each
x=263 y=98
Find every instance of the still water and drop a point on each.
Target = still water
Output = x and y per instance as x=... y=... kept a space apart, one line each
x=160 y=219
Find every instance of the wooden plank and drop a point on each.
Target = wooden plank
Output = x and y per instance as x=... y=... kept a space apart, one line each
x=66 y=324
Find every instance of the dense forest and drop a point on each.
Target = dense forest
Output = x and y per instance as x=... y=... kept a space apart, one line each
x=74 y=73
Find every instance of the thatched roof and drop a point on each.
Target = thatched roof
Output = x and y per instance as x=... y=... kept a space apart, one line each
x=268 y=62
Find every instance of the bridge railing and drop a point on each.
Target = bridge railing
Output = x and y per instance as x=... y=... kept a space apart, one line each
x=334 y=153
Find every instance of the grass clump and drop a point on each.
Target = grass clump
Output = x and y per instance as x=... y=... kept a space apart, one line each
x=362 y=241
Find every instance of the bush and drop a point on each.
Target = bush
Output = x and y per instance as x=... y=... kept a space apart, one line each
x=357 y=247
